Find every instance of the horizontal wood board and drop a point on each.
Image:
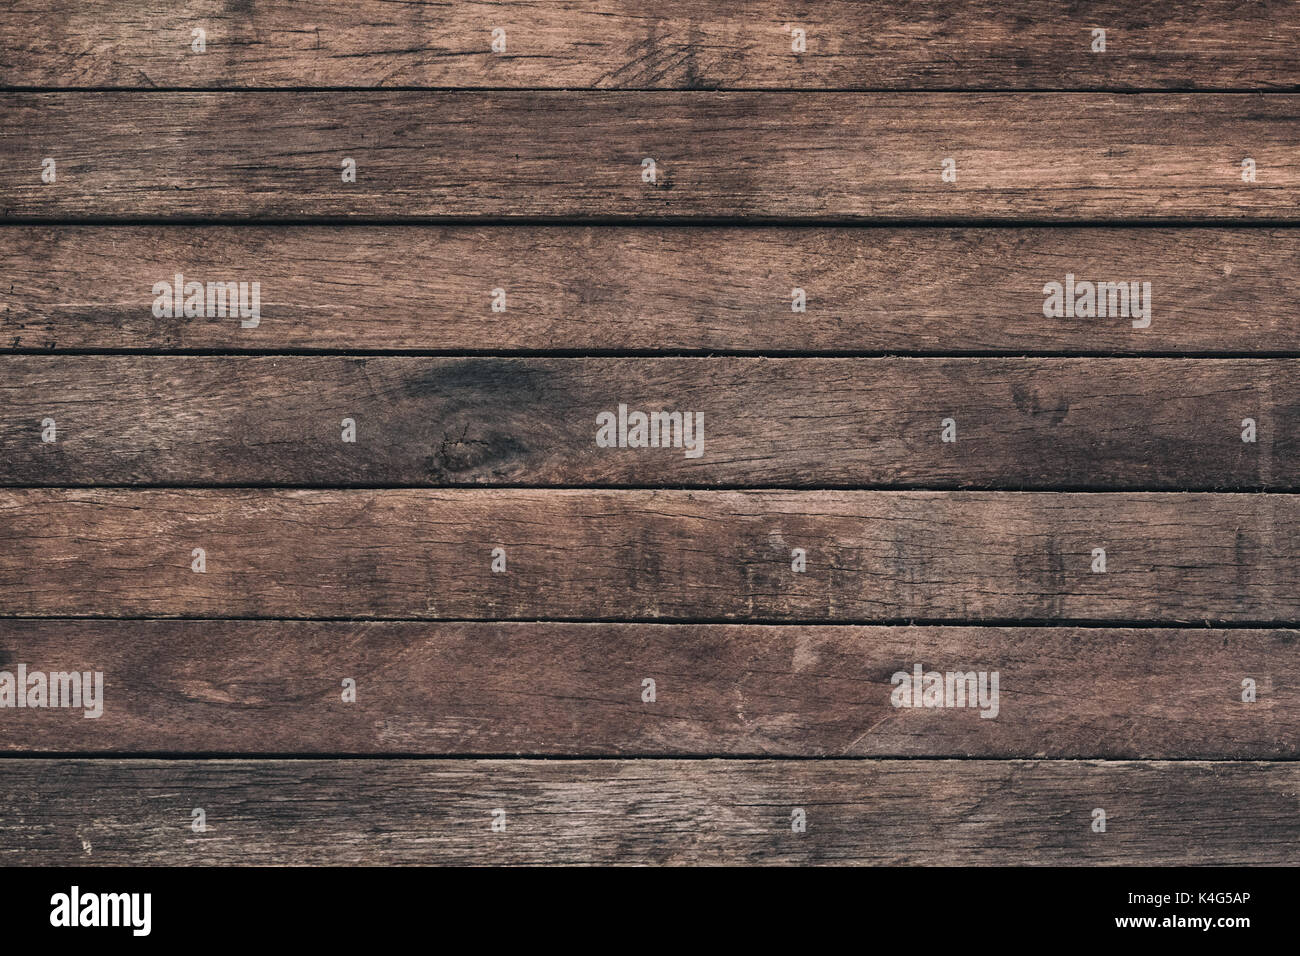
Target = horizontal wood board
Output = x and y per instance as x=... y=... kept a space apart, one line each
x=916 y=812
x=582 y=155
x=569 y=688
x=679 y=44
x=649 y=289
x=921 y=422
x=670 y=555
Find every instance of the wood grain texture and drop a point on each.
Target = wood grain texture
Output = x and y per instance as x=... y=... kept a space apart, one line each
x=359 y=812
x=849 y=156
x=673 y=555
x=916 y=44
x=649 y=288
x=522 y=171
x=1020 y=423
x=561 y=688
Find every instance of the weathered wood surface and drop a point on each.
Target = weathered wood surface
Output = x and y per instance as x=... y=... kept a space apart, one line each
x=848 y=156
x=926 y=812
x=676 y=555
x=567 y=688
x=916 y=44
x=1017 y=422
x=612 y=289
x=522 y=171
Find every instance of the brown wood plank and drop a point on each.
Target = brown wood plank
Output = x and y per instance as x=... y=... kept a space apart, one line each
x=648 y=288
x=672 y=44
x=563 y=688
x=669 y=555
x=1013 y=422
x=850 y=156
x=357 y=812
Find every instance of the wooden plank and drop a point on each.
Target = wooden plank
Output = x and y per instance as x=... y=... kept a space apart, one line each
x=669 y=555
x=978 y=422
x=923 y=812
x=916 y=44
x=566 y=688
x=649 y=288
x=850 y=156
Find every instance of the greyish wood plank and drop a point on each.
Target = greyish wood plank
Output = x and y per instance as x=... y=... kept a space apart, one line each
x=261 y=687
x=367 y=812
x=977 y=422
x=648 y=288
x=943 y=557
x=845 y=156
x=672 y=44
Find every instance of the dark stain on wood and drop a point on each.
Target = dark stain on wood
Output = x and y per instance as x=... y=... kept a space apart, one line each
x=1019 y=423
